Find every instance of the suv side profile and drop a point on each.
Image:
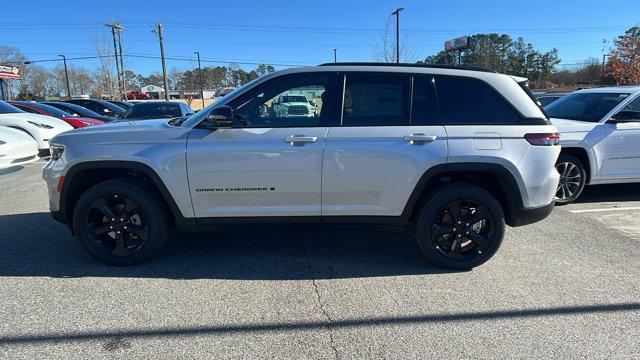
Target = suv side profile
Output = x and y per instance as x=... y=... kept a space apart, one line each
x=455 y=154
x=601 y=138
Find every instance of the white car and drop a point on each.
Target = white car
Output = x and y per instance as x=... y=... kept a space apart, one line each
x=600 y=138
x=40 y=127
x=16 y=148
x=293 y=106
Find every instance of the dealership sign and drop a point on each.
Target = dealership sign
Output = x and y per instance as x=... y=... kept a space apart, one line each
x=459 y=43
x=9 y=72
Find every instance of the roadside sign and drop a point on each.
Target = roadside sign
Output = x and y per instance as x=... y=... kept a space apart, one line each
x=459 y=43
x=9 y=72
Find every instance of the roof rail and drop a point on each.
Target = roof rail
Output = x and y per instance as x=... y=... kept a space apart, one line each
x=433 y=66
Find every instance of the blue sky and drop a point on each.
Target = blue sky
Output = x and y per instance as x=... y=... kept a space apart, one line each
x=301 y=32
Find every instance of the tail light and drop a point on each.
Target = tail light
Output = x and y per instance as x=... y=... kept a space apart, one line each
x=543 y=139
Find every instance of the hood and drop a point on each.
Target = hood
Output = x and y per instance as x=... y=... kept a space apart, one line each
x=570 y=126
x=10 y=135
x=83 y=120
x=42 y=119
x=120 y=132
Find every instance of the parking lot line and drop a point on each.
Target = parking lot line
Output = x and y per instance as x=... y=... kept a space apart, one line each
x=604 y=210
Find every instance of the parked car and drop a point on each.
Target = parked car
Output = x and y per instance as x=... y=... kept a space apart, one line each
x=137 y=95
x=78 y=111
x=16 y=148
x=547 y=98
x=102 y=107
x=39 y=127
x=43 y=109
x=123 y=104
x=383 y=152
x=600 y=130
x=157 y=110
x=293 y=105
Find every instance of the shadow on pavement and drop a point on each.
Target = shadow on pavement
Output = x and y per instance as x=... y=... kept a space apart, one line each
x=35 y=245
x=11 y=170
x=336 y=324
x=610 y=193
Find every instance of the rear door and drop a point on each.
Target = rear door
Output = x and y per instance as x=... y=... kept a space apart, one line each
x=387 y=136
x=622 y=147
x=271 y=166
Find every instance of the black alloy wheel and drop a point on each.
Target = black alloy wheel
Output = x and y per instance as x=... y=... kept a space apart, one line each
x=460 y=227
x=116 y=226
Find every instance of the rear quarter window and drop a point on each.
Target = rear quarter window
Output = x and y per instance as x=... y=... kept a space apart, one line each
x=469 y=101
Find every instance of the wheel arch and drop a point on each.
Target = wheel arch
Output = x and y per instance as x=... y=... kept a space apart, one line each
x=583 y=155
x=494 y=178
x=80 y=177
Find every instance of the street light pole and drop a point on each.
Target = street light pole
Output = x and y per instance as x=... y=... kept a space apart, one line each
x=66 y=75
x=335 y=56
x=397 y=14
x=200 y=76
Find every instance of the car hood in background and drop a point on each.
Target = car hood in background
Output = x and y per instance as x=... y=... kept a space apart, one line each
x=42 y=119
x=571 y=126
x=9 y=135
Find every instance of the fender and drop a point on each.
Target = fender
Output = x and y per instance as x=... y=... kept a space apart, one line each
x=64 y=214
x=506 y=181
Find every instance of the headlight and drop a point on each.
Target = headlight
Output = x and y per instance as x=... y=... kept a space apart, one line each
x=56 y=151
x=42 y=126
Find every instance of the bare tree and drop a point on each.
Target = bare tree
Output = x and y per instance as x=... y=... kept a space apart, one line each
x=385 y=50
x=105 y=82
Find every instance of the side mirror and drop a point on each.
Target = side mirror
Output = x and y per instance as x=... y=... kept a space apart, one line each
x=625 y=116
x=221 y=117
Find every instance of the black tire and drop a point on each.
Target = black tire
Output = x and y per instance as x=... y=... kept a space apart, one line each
x=140 y=218
x=478 y=232
x=573 y=177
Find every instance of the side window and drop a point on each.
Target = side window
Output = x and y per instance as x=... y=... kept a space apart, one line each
x=423 y=104
x=374 y=99
x=288 y=101
x=468 y=101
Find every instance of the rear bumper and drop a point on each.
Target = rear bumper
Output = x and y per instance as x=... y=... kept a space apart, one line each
x=522 y=216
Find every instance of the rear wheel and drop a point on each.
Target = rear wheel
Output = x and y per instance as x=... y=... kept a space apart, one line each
x=573 y=178
x=460 y=227
x=121 y=222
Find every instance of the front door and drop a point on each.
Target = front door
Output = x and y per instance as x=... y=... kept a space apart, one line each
x=271 y=166
x=622 y=148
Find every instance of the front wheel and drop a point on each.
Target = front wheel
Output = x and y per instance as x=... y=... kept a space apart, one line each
x=460 y=227
x=121 y=222
x=573 y=178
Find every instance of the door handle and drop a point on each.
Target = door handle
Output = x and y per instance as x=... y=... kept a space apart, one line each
x=419 y=138
x=299 y=139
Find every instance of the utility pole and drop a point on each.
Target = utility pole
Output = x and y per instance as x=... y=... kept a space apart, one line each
x=115 y=52
x=604 y=58
x=335 y=56
x=158 y=32
x=66 y=75
x=124 y=79
x=200 y=76
x=397 y=14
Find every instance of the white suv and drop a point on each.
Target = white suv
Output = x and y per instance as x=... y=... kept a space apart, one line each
x=455 y=154
x=600 y=138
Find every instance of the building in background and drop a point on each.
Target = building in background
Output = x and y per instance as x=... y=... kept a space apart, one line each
x=7 y=73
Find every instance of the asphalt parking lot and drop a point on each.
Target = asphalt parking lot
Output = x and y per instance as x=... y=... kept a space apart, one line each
x=565 y=287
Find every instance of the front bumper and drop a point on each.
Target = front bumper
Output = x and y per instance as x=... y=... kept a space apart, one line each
x=526 y=216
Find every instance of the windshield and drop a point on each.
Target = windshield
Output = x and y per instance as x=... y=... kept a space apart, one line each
x=202 y=114
x=292 y=98
x=152 y=111
x=8 y=108
x=586 y=106
x=53 y=111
